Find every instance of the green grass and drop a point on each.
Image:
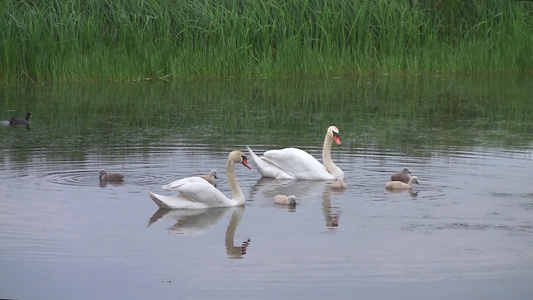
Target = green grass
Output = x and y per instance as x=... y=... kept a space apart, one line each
x=60 y=40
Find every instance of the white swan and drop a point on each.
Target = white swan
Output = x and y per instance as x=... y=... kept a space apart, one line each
x=293 y=163
x=395 y=185
x=197 y=193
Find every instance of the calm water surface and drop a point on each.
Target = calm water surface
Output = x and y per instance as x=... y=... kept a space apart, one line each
x=466 y=232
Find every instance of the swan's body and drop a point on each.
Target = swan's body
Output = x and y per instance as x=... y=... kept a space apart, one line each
x=110 y=177
x=397 y=185
x=19 y=121
x=286 y=200
x=293 y=163
x=404 y=176
x=197 y=193
x=339 y=184
x=210 y=177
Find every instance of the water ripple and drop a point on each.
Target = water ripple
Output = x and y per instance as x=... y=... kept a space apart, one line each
x=72 y=177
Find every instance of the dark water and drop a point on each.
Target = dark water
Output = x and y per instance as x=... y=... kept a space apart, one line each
x=466 y=232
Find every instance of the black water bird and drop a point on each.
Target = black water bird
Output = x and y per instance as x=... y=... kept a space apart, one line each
x=19 y=121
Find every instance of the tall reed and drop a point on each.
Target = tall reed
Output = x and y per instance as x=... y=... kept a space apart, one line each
x=162 y=39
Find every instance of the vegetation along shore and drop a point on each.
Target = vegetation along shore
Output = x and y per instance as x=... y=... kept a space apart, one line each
x=61 y=40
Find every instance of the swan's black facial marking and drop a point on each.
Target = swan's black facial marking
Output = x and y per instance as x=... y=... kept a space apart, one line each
x=245 y=162
x=337 y=137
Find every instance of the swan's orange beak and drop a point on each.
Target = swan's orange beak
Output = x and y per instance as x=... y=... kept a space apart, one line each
x=337 y=138
x=245 y=162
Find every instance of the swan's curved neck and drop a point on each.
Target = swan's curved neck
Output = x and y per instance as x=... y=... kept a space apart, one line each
x=236 y=191
x=230 y=232
x=326 y=157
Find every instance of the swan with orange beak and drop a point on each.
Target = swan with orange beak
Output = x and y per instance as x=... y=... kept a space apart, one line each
x=294 y=163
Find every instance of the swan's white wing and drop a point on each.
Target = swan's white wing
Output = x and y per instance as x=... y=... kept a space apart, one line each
x=175 y=185
x=297 y=162
x=268 y=168
x=193 y=193
x=202 y=191
x=175 y=202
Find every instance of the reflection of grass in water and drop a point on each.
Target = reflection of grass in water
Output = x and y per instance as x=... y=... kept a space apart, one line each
x=389 y=112
x=158 y=39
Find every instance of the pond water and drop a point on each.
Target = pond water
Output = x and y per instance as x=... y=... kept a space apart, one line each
x=465 y=232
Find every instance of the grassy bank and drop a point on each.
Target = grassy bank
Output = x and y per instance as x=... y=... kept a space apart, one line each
x=161 y=39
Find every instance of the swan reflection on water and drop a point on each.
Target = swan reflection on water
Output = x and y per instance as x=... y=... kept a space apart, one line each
x=330 y=217
x=194 y=222
x=305 y=190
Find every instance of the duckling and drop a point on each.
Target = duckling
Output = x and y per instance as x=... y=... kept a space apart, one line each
x=394 y=185
x=210 y=177
x=404 y=176
x=286 y=200
x=111 y=177
x=339 y=184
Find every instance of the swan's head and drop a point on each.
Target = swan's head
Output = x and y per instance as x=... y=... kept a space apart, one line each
x=333 y=131
x=102 y=173
x=28 y=114
x=213 y=174
x=406 y=171
x=238 y=156
x=414 y=179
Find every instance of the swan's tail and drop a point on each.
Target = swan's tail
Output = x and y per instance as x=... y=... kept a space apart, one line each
x=268 y=168
x=177 y=201
x=258 y=163
x=160 y=200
